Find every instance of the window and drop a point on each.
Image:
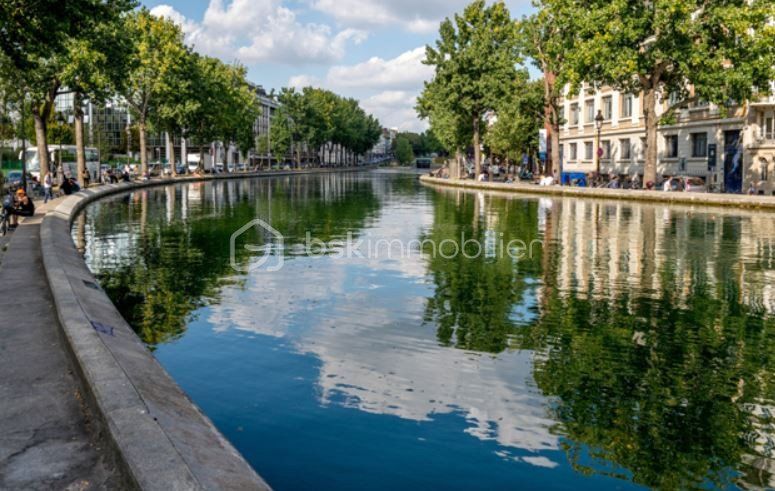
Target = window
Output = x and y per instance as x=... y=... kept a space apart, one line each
x=699 y=144
x=671 y=146
x=573 y=151
x=606 y=146
x=627 y=106
x=608 y=108
x=574 y=114
x=588 y=151
x=625 y=152
x=765 y=168
x=643 y=148
x=589 y=111
x=769 y=128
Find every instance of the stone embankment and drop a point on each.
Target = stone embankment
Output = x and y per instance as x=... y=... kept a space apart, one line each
x=706 y=199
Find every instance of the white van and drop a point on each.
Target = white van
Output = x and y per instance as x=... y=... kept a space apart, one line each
x=65 y=154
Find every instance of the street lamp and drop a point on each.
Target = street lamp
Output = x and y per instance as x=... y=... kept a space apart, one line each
x=599 y=152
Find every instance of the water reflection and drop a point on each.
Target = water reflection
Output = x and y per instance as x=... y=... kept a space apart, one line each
x=633 y=345
x=655 y=335
x=162 y=254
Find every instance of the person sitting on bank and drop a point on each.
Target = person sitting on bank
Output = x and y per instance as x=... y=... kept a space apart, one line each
x=69 y=186
x=752 y=189
x=22 y=207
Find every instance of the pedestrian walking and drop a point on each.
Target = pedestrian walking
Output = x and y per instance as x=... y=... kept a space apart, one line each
x=48 y=185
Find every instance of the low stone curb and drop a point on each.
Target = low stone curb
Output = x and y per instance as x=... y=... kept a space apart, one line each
x=701 y=199
x=161 y=439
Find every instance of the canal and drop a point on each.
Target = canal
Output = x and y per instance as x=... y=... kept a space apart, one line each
x=404 y=337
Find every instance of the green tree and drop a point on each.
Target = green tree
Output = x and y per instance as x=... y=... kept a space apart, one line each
x=475 y=61
x=93 y=67
x=34 y=30
x=157 y=51
x=545 y=38
x=429 y=143
x=34 y=42
x=404 y=152
x=697 y=50
x=519 y=118
x=312 y=118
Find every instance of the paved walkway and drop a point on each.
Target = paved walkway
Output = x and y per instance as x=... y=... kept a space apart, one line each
x=46 y=440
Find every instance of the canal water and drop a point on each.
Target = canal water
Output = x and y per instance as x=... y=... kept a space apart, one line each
x=404 y=337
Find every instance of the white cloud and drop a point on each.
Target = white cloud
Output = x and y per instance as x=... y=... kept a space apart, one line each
x=301 y=81
x=416 y=16
x=386 y=88
x=395 y=109
x=405 y=71
x=262 y=31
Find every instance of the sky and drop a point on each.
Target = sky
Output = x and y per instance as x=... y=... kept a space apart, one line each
x=368 y=49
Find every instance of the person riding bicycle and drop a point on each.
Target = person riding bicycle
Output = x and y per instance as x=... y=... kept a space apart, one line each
x=22 y=207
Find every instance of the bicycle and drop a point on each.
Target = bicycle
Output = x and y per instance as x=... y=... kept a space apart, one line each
x=5 y=215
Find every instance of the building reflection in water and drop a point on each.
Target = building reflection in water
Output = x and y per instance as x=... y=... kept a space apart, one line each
x=656 y=335
x=637 y=339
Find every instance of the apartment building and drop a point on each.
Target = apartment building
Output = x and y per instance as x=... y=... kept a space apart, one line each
x=730 y=147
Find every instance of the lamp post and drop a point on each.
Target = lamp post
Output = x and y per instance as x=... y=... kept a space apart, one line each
x=599 y=151
x=24 y=143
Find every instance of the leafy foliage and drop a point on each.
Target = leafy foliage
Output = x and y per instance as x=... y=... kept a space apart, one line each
x=519 y=117
x=714 y=51
x=404 y=152
x=313 y=117
x=475 y=62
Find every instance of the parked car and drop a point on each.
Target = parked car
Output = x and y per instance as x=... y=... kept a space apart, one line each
x=685 y=184
x=13 y=178
x=695 y=185
x=155 y=169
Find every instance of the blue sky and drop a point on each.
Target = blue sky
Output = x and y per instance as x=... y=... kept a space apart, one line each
x=368 y=49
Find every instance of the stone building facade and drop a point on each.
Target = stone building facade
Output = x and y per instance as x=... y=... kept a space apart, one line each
x=730 y=147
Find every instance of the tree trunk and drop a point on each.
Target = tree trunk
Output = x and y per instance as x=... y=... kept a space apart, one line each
x=225 y=157
x=477 y=150
x=143 y=148
x=490 y=173
x=170 y=153
x=40 y=138
x=184 y=152
x=552 y=121
x=650 y=115
x=201 y=166
x=80 y=152
x=554 y=141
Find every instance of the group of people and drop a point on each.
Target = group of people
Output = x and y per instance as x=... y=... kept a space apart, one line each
x=112 y=176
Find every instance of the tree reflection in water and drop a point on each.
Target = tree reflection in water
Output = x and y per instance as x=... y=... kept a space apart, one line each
x=653 y=332
x=179 y=260
x=650 y=327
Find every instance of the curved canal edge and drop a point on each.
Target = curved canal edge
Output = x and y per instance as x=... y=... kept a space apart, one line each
x=764 y=203
x=161 y=439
